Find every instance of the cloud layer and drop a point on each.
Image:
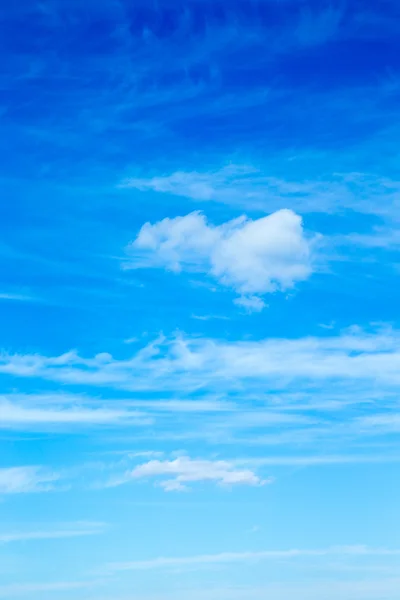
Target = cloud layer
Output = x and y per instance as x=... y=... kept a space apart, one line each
x=186 y=363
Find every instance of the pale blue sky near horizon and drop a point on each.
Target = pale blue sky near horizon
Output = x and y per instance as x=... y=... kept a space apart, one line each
x=199 y=300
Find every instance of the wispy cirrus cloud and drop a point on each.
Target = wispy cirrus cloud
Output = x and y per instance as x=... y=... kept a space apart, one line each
x=19 y=415
x=246 y=557
x=183 y=362
x=233 y=184
x=321 y=460
x=385 y=423
x=328 y=587
x=17 y=297
x=164 y=78
x=379 y=238
x=78 y=413
x=27 y=479
x=253 y=187
x=62 y=531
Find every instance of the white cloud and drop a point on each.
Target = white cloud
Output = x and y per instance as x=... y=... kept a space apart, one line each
x=379 y=238
x=71 y=530
x=245 y=557
x=251 y=303
x=19 y=416
x=184 y=406
x=321 y=460
x=18 y=297
x=232 y=184
x=184 y=363
x=198 y=186
x=247 y=186
x=184 y=470
x=210 y=317
x=253 y=257
x=18 y=480
x=384 y=423
x=72 y=413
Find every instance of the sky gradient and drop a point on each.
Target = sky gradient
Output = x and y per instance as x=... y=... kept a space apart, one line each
x=199 y=300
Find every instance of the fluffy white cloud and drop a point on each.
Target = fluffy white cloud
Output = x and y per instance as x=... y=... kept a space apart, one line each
x=253 y=257
x=184 y=470
x=17 y=480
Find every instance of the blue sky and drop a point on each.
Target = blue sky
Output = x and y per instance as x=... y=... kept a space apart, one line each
x=199 y=300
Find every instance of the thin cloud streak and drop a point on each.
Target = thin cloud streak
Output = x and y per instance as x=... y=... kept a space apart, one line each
x=246 y=557
x=71 y=530
x=19 y=416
